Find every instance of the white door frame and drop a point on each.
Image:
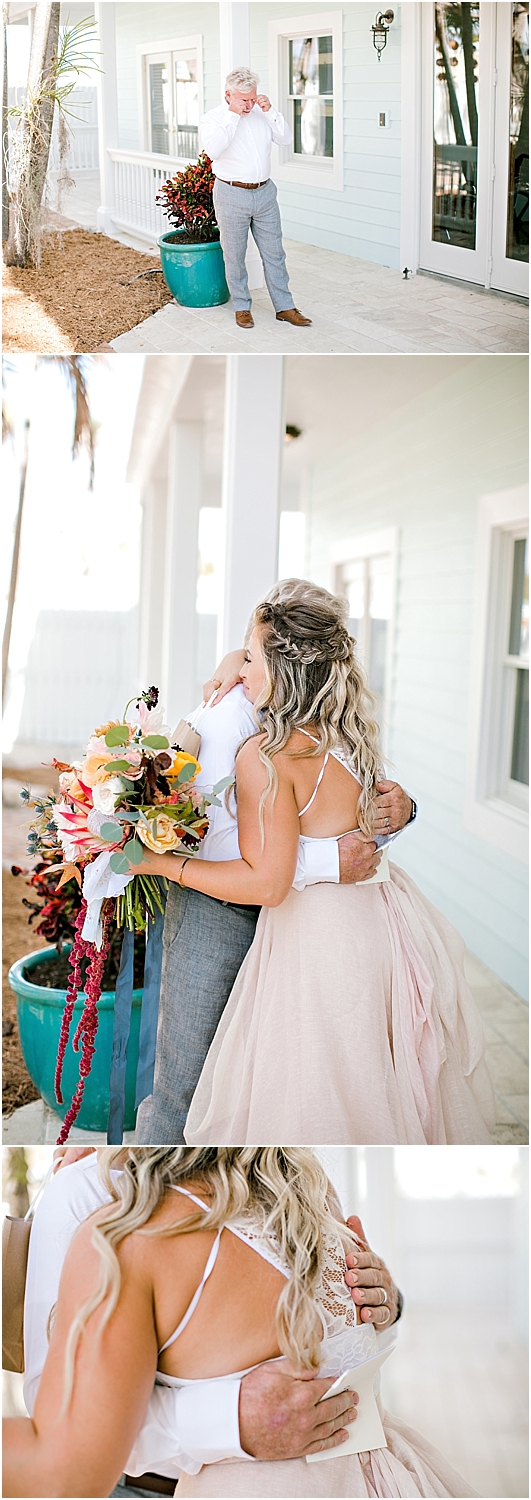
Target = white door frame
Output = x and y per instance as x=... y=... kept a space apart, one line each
x=416 y=78
x=507 y=275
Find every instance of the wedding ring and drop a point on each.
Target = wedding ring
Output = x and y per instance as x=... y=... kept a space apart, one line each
x=216 y=682
x=384 y=1296
x=388 y=825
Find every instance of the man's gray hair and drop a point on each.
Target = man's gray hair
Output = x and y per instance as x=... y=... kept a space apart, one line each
x=241 y=78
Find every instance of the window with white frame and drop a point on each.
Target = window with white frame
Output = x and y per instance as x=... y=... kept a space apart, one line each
x=365 y=574
x=497 y=799
x=171 y=85
x=306 y=72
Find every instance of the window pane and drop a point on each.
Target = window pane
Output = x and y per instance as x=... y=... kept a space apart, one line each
x=313 y=127
x=159 y=100
x=455 y=124
x=380 y=599
x=310 y=65
x=352 y=584
x=518 y=195
x=187 y=104
x=520 y=754
x=519 y=627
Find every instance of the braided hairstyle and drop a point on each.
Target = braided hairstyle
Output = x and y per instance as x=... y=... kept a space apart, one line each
x=314 y=680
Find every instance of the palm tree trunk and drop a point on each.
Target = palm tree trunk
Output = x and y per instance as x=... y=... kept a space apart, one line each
x=15 y=559
x=25 y=205
x=5 y=127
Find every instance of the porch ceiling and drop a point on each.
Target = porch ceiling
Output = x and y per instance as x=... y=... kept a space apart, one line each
x=333 y=399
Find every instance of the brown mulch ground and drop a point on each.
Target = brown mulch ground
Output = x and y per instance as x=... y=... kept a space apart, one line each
x=17 y=1087
x=75 y=302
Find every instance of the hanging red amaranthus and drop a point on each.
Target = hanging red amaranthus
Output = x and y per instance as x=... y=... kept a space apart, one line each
x=85 y=1036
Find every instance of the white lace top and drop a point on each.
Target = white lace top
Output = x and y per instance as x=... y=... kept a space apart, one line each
x=345 y=1343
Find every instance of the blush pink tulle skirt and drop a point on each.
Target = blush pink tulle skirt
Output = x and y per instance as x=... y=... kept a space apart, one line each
x=350 y=1022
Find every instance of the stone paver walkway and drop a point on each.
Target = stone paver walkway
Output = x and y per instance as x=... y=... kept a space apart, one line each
x=505 y=1017
x=356 y=307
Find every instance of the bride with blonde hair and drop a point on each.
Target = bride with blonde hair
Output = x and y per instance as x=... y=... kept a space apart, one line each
x=350 y=1020
x=206 y=1262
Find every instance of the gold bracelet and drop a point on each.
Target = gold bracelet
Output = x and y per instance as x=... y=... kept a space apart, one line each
x=180 y=875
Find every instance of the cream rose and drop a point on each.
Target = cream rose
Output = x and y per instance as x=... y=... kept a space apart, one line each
x=167 y=837
x=105 y=794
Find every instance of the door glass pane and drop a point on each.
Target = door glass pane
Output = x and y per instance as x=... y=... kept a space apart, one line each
x=159 y=107
x=313 y=127
x=310 y=65
x=352 y=584
x=186 y=104
x=455 y=125
x=380 y=600
x=518 y=194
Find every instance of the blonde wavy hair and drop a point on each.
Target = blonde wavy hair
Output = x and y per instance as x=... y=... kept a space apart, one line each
x=284 y=1187
x=313 y=678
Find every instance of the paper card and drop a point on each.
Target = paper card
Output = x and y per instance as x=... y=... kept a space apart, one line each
x=383 y=873
x=367 y=1431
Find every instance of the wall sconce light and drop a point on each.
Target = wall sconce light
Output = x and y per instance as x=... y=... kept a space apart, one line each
x=380 y=30
x=292 y=433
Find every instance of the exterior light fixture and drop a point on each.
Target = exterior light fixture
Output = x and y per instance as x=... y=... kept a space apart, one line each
x=292 y=433
x=380 y=30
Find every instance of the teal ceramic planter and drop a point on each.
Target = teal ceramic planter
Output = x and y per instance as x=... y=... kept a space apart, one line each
x=194 y=274
x=39 y=1013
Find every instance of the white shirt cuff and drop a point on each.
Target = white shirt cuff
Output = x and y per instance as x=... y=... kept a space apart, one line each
x=318 y=860
x=199 y=1426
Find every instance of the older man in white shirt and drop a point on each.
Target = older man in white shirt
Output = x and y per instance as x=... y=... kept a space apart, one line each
x=238 y=136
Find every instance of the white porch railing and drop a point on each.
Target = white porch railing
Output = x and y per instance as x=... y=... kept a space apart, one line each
x=138 y=176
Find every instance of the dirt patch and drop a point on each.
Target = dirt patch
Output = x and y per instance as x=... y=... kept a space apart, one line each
x=76 y=302
x=19 y=938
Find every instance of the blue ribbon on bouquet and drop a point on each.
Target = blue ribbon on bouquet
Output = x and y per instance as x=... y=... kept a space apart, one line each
x=123 y=1005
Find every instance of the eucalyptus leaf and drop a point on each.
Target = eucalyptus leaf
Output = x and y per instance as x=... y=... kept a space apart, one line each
x=117 y=735
x=119 y=862
x=185 y=774
x=134 y=850
x=111 y=832
x=131 y=816
x=224 y=783
x=156 y=742
x=130 y=786
x=117 y=765
x=213 y=801
x=154 y=827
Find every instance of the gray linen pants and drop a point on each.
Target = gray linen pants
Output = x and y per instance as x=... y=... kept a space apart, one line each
x=239 y=210
x=204 y=945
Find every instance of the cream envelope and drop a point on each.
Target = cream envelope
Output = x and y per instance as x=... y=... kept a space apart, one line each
x=367 y=1431
x=383 y=873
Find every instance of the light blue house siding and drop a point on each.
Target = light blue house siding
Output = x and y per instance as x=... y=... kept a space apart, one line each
x=364 y=219
x=468 y=437
x=154 y=23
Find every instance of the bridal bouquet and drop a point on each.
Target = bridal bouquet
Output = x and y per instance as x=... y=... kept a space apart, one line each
x=133 y=789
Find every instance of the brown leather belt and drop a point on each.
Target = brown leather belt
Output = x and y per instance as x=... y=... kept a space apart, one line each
x=155 y=1482
x=249 y=185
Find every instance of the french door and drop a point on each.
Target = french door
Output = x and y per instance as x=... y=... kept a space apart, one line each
x=475 y=142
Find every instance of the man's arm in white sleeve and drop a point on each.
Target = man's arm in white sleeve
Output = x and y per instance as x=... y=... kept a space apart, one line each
x=216 y=135
x=279 y=128
x=318 y=859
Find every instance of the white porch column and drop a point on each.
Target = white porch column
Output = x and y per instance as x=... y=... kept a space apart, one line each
x=252 y=460
x=235 y=51
x=107 y=94
x=154 y=505
x=179 y=627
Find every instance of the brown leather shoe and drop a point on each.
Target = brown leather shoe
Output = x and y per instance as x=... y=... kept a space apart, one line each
x=292 y=315
x=244 y=319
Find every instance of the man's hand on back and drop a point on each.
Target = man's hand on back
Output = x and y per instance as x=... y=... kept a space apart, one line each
x=280 y=1415
x=393 y=807
x=358 y=858
x=367 y=1278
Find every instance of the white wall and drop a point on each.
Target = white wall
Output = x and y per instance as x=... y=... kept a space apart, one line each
x=81 y=670
x=424 y=472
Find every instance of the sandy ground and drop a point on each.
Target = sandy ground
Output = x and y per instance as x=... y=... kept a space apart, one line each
x=17 y=1087
x=76 y=301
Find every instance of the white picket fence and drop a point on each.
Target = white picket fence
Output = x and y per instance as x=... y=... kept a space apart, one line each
x=138 y=176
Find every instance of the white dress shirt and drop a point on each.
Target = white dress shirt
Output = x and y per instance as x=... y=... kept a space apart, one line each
x=183 y=1428
x=240 y=145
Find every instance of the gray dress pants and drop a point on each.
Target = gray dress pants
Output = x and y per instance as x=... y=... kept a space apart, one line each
x=204 y=942
x=239 y=210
